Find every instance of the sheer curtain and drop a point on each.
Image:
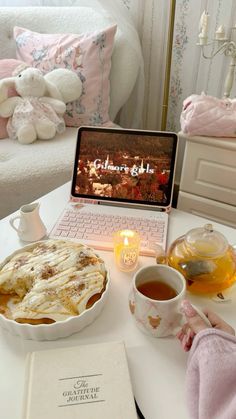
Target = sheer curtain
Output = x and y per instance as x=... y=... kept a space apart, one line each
x=145 y=23
x=132 y=113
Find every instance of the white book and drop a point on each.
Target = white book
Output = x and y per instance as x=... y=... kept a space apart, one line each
x=84 y=382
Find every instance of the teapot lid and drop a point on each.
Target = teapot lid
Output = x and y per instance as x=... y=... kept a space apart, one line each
x=205 y=241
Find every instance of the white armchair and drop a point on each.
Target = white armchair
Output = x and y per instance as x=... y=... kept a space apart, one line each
x=29 y=171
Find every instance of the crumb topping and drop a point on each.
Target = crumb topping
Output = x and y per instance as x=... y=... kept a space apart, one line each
x=48 y=271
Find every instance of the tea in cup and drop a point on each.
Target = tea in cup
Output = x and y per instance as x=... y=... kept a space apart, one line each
x=155 y=300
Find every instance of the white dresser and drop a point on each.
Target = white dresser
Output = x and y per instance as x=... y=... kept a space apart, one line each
x=208 y=178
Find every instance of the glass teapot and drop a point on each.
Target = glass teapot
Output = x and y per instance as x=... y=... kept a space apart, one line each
x=206 y=260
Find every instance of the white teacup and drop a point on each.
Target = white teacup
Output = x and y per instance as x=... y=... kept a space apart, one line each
x=157 y=317
x=30 y=227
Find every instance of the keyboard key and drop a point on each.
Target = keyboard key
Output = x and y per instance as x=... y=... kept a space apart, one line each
x=64 y=223
x=95 y=238
x=79 y=235
x=72 y=234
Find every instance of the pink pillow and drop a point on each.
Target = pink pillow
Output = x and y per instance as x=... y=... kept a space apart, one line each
x=88 y=54
x=7 y=69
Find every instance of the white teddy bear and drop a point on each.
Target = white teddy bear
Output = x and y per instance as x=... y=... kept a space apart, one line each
x=37 y=111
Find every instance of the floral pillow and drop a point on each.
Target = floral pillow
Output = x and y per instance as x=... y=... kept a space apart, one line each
x=89 y=55
x=7 y=69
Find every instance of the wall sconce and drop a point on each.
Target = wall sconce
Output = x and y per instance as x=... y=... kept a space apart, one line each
x=223 y=44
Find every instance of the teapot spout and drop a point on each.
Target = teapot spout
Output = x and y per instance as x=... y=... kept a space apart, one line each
x=160 y=254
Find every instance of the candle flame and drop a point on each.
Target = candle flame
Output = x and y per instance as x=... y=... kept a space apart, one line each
x=126 y=241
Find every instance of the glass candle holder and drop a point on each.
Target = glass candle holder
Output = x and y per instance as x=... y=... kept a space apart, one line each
x=126 y=249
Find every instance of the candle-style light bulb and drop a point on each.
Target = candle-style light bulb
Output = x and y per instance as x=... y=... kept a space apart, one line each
x=220 y=32
x=203 y=28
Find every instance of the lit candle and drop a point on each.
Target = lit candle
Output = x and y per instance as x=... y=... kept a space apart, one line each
x=220 y=33
x=126 y=249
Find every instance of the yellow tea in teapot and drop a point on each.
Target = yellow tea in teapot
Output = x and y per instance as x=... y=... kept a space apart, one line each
x=204 y=275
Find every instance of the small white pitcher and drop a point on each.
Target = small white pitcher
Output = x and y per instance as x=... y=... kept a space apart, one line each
x=31 y=227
